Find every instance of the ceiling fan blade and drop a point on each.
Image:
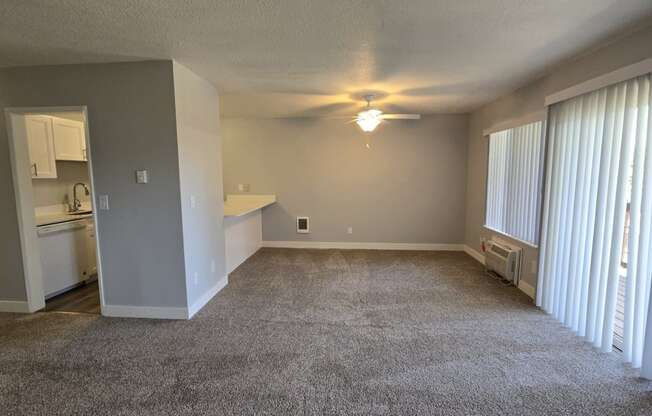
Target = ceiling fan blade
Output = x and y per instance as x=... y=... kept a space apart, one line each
x=401 y=116
x=336 y=117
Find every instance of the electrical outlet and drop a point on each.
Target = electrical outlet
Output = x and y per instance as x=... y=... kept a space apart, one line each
x=193 y=201
x=349 y=230
x=196 y=278
x=213 y=266
x=243 y=187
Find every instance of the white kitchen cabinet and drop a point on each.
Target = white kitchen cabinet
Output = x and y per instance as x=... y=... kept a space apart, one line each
x=69 y=139
x=63 y=256
x=40 y=142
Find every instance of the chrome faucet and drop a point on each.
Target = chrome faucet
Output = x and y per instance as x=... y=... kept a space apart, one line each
x=76 y=203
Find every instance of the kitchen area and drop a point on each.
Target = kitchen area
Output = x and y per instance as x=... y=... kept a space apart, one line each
x=64 y=222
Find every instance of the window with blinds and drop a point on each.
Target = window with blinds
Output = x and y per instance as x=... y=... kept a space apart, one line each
x=514 y=181
x=595 y=269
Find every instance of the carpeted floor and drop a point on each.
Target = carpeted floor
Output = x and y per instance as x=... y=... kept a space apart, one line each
x=321 y=332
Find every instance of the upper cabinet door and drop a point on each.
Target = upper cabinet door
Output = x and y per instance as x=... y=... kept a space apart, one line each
x=40 y=141
x=69 y=139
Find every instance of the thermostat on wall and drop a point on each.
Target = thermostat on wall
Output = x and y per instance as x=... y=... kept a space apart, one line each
x=303 y=225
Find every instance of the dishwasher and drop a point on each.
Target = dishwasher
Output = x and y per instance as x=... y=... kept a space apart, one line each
x=63 y=256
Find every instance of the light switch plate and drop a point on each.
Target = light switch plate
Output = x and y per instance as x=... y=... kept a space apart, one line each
x=104 y=202
x=142 y=176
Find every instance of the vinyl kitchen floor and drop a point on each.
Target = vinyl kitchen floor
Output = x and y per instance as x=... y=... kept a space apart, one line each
x=84 y=299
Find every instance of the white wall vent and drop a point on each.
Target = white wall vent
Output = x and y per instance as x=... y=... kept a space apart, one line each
x=303 y=225
x=504 y=259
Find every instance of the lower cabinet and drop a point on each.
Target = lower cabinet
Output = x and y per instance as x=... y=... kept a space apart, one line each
x=67 y=255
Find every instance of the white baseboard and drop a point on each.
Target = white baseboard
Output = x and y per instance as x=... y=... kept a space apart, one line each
x=155 y=312
x=206 y=297
x=527 y=288
x=14 y=306
x=151 y=312
x=475 y=254
x=345 y=245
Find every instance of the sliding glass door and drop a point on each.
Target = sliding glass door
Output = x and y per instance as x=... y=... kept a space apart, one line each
x=595 y=263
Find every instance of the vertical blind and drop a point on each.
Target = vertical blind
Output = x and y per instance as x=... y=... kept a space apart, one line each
x=514 y=181
x=599 y=171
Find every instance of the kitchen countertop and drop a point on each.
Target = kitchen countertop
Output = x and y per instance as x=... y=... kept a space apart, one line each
x=59 y=217
x=239 y=205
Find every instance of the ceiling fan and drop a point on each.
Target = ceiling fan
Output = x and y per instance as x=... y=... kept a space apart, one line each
x=370 y=118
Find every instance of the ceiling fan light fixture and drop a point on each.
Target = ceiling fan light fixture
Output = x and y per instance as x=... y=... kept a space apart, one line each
x=368 y=120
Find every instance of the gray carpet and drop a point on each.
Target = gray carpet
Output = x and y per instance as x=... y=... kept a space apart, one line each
x=321 y=332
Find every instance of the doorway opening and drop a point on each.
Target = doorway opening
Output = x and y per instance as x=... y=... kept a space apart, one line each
x=53 y=182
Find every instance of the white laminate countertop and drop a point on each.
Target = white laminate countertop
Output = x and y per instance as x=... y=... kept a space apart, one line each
x=56 y=218
x=239 y=205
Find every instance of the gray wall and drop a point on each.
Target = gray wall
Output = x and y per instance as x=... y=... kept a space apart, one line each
x=407 y=188
x=12 y=282
x=200 y=169
x=530 y=99
x=132 y=126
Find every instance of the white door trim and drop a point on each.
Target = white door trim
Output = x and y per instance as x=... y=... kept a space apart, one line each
x=19 y=158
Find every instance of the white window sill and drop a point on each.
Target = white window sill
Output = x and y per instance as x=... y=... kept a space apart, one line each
x=517 y=240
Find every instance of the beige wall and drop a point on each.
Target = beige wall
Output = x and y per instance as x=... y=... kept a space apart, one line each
x=407 y=188
x=530 y=99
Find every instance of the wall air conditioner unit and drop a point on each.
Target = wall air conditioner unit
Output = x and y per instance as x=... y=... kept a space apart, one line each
x=504 y=260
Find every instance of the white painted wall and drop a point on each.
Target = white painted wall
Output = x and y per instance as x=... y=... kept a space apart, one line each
x=200 y=180
x=243 y=236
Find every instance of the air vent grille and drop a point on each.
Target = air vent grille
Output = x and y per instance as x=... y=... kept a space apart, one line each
x=303 y=225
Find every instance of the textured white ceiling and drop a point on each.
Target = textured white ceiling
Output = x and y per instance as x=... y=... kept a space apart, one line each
x=317 y=57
